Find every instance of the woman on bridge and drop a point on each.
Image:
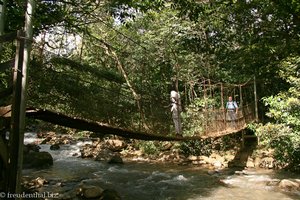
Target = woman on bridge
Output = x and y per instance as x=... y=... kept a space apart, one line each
x=176 y=110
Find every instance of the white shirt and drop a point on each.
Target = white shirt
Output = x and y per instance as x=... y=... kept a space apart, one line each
x=231 y=105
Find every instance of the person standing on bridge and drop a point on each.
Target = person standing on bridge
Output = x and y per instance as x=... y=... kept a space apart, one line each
x=232 y=110
x=176 y=110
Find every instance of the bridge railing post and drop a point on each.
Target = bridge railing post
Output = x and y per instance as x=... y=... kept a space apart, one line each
x=16 y=136
x=255 y=100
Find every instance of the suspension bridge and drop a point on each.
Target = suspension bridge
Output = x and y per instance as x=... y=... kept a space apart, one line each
x=211 y=117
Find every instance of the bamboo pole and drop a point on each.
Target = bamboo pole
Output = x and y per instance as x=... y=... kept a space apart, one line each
x=210 y=90
x=255 y=100
x=16 y=138
x=222 y=96
x=205 y=96
x=205 y=108
x=234 y=99
x=185 y=94
x=135 y=95
x=224 y=125
x=241 y=96
x=177 y=75
x=82 y=42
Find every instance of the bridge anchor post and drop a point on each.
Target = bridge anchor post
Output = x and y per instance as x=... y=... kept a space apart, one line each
x=16 y=136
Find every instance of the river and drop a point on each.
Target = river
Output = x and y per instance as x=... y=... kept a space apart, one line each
x=152 y=181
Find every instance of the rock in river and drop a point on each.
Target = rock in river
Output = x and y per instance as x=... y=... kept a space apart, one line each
x=37 y=160
x=116 y=159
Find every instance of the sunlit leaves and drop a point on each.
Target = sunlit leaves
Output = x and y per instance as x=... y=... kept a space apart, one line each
x=284 y=134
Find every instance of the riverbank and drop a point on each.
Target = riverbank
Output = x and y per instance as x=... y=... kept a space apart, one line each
x=216 y=153
x=82 y=163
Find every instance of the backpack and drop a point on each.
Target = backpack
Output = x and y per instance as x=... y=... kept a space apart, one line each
x=232 y=103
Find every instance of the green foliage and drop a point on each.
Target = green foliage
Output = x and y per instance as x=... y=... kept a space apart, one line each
x=56 y=86
x=196 y=147
x=283 y=140
x=285 y=106
x=207 y=146
x=149 y=147
x=228 y=142
x=284 y=133
x=197 y=115
x=6 y=54
x=141 y=5
x=221 y=40
x=81 y=134
x=108 y=75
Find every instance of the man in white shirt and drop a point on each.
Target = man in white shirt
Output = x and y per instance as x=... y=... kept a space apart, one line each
x=232 y=110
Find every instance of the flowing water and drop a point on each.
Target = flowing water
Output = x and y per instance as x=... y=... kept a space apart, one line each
x=144 y=181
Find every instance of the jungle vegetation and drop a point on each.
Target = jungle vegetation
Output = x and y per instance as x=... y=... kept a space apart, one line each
x=116 y=61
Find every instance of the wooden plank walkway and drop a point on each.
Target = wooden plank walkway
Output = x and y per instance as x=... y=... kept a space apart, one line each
x=101 y=129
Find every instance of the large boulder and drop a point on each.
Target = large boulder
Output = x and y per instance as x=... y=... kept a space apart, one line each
x=110 y=194
x=289 y=185
x=54 y=147
x=89 y=189
x=37 y=160
x=115 y=145
x=116 y=159
x=267 y=162
x=31 y=148
x=104 y=155
x=92 y=192
x=217 y=164
x=30 y=184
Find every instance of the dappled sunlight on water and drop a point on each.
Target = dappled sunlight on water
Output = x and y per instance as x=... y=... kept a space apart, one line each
x=148 y=181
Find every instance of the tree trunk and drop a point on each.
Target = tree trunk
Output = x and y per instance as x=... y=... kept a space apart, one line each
x=2 y=19
x=16 y=137
x=135 y=95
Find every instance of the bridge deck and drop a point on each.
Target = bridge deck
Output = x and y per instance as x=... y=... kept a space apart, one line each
x=103 y=129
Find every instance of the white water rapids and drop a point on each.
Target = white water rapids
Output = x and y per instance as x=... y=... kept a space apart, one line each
x=146 y=181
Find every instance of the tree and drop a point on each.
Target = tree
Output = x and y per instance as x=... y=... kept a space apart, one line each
x=2 y=16
x=283 y=133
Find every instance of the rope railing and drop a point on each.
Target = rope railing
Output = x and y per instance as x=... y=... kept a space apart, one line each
x=158 y=118
x=216 y=121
